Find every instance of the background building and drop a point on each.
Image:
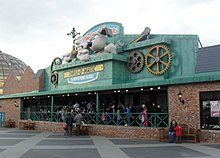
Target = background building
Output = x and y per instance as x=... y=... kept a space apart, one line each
x=9 y=63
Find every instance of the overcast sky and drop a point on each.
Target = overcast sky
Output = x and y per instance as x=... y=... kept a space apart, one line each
x=35 y=30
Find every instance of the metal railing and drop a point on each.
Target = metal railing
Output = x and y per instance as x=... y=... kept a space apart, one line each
x=117 y=119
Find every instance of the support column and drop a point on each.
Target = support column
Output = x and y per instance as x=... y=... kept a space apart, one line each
x=52 y=104
x=97 y=102
x=97 y=108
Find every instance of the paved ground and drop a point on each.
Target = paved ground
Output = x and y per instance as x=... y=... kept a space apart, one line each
x=16 y=143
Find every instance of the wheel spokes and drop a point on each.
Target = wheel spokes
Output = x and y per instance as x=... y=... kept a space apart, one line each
x=158 y=67
x=164 y=63
x=158 y=51
x=151 y=64
x=150 y=55
x=164 y=54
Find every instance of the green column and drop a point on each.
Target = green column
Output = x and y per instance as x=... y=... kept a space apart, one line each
x=51 y=108
x=52 y=104
x=97 y=108
x=97 y=101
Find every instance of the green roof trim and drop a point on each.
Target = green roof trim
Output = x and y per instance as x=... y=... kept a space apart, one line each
x=198 y=78
x=93 y=60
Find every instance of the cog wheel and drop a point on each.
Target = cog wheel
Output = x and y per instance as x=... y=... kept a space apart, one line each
x=158 y=59
x=135 y=61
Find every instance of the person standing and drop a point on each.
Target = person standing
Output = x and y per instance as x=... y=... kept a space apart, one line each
x=128 y=113
x=78 y=118
x=144 y=116
x=69 y=122
x=178 y=130
x=103 y=118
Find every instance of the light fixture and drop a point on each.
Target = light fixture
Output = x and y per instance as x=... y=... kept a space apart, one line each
x=158 y=87
x=15 y=104
x=142 y=89
x=151 y=88
x=126 y=90
x=115 y=91
x=76 y=94
x=180 y=95
x=89 y=93
x=119 y=91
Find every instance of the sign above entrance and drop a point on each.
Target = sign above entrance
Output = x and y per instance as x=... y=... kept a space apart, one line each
x=83 y=75
x=83 y=78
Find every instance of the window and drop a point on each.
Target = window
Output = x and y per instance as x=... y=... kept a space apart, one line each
x=210 y=110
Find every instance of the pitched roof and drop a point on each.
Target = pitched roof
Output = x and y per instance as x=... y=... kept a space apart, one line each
x=208 y=59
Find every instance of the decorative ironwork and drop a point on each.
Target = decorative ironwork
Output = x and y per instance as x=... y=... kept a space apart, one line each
x=134 y=119
x=54 y=77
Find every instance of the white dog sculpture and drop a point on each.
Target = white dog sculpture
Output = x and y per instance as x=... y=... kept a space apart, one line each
x=98 y=44
x=81 y=46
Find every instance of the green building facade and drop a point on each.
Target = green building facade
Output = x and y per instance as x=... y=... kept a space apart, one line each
x=161 y=71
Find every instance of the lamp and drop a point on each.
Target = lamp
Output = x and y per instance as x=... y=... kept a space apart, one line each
x=15 y=104
x=180 y=97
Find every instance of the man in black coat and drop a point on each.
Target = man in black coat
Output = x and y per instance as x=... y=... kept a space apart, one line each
x=69 y=122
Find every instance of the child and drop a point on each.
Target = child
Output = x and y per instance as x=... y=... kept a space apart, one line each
x=103 y=118
x=65 y=129
x=178 y=130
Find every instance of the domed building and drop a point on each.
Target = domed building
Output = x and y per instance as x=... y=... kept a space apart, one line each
x=8 y=63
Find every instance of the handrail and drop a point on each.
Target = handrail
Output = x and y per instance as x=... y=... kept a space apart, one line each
x=117 y=119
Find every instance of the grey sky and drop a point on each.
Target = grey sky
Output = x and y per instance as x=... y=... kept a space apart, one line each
x=35 y=30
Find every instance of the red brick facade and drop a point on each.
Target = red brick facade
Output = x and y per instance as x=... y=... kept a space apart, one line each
x=27 y=83
x=11 y=111
x=190 y=111
x=104 y=130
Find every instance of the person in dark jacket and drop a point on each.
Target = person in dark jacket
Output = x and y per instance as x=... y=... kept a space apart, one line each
x=69 y=122
x=78 y=118
x=172 y=133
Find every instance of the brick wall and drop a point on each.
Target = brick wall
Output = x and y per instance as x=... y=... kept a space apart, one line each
x=27 y=83
x=124 y=132
x=210 y=136
x=190 y=111
x=11 y=111
x=104 y=130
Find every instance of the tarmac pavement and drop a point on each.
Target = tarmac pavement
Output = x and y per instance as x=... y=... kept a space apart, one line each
x=15 y=143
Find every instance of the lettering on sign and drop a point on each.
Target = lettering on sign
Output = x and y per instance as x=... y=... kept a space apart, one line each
x=83 y=71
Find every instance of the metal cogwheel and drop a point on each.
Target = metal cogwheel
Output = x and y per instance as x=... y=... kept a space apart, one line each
x=158 y=59
x=135 y=61
x=54 y=77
